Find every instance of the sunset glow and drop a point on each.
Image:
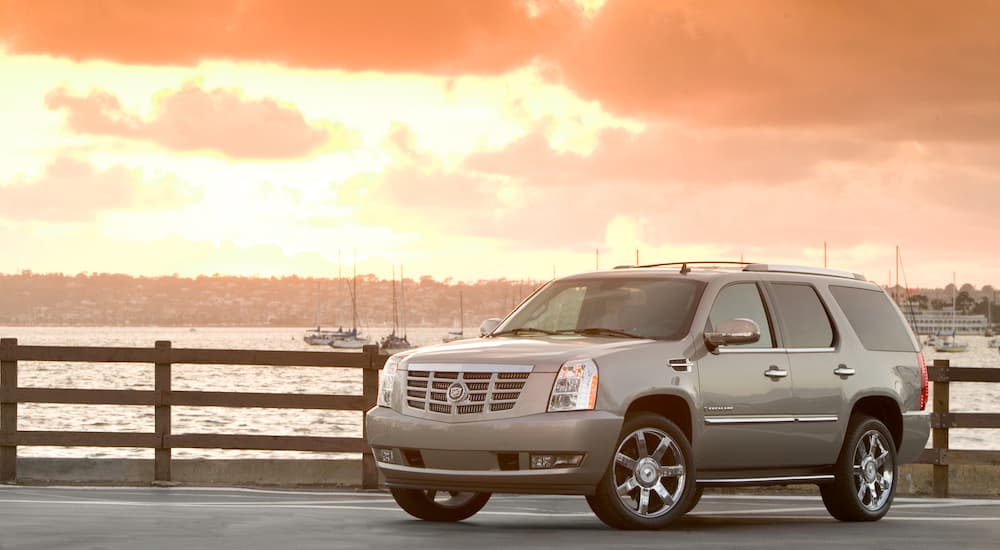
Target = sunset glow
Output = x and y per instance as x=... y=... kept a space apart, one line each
x=497 y=138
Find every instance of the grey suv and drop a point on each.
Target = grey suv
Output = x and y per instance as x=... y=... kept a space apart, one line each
x=638 y=387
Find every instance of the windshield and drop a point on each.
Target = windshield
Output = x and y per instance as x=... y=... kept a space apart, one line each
x=654 y=308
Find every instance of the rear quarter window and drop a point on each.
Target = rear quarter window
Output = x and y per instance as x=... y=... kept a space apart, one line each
x=873 y=318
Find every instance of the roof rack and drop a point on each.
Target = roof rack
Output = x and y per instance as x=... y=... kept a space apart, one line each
x=777 y=268
x=686 y=266
x=755 y=267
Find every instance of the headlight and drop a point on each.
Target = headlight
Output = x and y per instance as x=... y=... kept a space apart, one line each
x=575 y=388
x=386 y=381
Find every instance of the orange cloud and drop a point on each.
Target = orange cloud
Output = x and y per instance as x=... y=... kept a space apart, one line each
x=192 y=119
x=444 y=36
x=907 y=69
x=663 y=154
x=74 y=191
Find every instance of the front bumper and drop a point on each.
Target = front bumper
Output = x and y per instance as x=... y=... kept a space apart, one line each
x=492 y=455
x=916 y=429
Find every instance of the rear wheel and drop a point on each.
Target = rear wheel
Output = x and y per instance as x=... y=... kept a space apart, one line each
x=865 y=476
x=650 y=481
x=434 y=505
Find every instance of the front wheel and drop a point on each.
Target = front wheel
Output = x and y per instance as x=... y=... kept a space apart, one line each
x=650 y=481
x=434 y=505
x=865 y=476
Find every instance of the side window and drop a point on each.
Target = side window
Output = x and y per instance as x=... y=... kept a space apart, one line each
x=874 y=318
x=742 y=301
x=802 y=316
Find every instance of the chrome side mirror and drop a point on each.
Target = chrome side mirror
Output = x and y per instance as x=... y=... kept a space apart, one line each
x=488 y=326
x=732 y=332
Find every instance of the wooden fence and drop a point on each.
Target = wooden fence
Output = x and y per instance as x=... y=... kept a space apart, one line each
x=163 y=356
x=942 y=374
x=162 y=398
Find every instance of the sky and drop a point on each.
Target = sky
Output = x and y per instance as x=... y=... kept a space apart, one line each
x=499 y=138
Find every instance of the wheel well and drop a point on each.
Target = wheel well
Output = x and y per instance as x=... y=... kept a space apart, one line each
x=885 y=409
x=668 y=406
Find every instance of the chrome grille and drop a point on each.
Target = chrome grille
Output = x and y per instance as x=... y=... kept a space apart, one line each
x=427 y=388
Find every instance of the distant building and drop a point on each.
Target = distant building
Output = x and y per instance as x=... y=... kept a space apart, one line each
x=932 y=322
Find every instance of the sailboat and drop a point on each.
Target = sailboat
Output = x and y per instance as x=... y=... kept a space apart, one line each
x=393 y=342
x=319 y=336
x=352 y=339
x=459 y=334
x=951 y=344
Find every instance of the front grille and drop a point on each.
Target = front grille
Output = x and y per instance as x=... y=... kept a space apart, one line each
x=427 y=390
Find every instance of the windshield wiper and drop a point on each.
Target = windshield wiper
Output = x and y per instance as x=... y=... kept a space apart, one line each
x=524 y=330
x=601 y=331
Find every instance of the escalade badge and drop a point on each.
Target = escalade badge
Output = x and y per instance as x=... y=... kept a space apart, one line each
x=457 y=392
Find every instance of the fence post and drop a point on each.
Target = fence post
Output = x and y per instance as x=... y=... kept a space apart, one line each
x=940 y=435
x=161 y=459
x=369 y=389
x=8 y=413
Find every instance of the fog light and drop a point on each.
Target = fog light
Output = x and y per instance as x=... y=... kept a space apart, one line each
x=543 y=462
x=384 y=455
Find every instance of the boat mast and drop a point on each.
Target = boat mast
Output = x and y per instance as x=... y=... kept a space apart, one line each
x=402 y=298
x=895 y=291
x=395 y=311
x=954 y=312
x=354 y=296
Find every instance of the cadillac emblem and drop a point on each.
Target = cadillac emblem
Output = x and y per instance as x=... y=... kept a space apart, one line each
x=457 y=392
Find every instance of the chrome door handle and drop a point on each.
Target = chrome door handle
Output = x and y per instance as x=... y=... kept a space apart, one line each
x=681 y=364
x=842 y=370
x=775 y=372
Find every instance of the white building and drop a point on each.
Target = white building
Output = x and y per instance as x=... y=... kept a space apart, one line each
x=934 y=322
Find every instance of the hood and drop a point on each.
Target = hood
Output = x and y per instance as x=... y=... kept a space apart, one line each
x=546 y=353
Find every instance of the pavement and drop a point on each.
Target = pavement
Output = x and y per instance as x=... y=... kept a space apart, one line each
x=42 y=517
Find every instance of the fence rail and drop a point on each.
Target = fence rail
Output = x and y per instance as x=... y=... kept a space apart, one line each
x=163 y=356
x=941 y=375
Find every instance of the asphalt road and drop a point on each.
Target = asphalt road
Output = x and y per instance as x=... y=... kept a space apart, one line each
x=224 y=518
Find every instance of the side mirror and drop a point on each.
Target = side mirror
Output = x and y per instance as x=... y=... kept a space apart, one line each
x=488 y=326
x=732 y=332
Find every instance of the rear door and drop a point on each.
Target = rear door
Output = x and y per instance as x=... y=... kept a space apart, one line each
x=810 y=338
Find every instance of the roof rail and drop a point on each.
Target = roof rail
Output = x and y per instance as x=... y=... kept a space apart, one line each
x=776 y=268
x=684 y=265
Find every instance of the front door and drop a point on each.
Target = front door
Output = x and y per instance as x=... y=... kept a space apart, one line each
x=746 y=391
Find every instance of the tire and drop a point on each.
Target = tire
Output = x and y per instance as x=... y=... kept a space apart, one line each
x=650 y=482
x=865 y=476
x=696 y=499
x=431 y=505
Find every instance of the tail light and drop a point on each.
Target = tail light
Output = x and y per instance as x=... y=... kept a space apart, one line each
x=923 y=380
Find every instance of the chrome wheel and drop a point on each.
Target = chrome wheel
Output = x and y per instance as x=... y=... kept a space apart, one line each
x=649 y=472
x=865 y=473
x=873 y=470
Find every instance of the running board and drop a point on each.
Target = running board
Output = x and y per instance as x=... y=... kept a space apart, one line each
x=767 y=480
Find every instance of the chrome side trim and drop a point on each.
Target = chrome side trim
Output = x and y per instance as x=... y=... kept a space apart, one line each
x=749 y=419
x=724 y=349
x=467 y=367
x=817 y=419
x=816 y=477
x=716 y=420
